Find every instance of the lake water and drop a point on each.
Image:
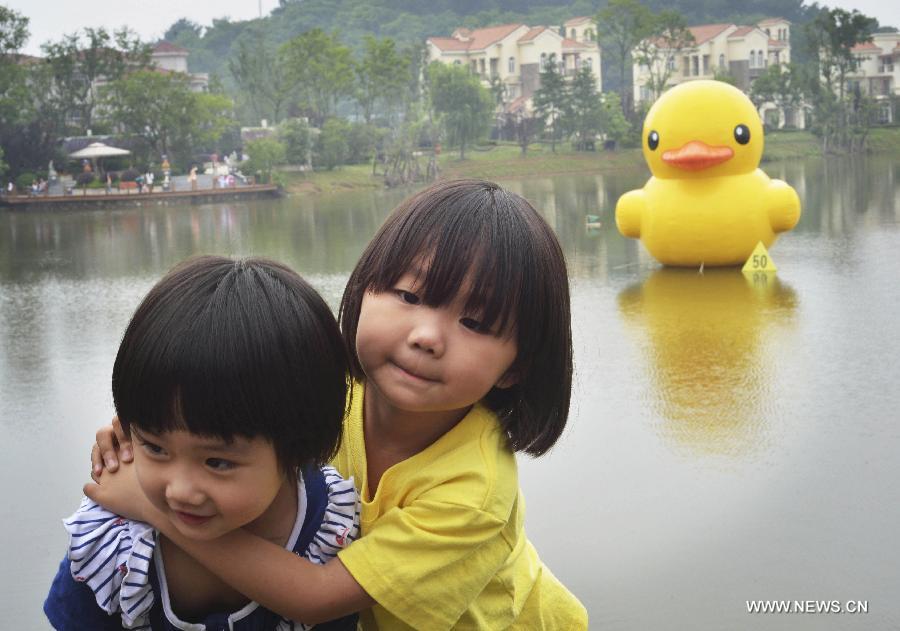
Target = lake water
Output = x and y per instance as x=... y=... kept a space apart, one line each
x=729 y=441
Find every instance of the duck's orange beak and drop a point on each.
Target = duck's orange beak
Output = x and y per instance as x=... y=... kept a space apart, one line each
x=697 y=155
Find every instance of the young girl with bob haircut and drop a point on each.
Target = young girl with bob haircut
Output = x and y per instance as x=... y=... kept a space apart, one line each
x=457 y=322
x=231 y=381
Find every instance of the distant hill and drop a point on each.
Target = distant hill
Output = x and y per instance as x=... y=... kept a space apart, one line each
x=411 y=21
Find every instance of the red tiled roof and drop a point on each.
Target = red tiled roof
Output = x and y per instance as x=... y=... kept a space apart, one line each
x=866 y=47
x=448 y=43
x=741 y=31
x=778 y=43
x=571 y=43
x=577 y=21
x=531 y=34
x=478 y=39
x=168 y=47
x=706 y=32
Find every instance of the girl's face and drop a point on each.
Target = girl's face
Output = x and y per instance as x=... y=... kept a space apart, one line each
x=208 y=487
x=426 y=359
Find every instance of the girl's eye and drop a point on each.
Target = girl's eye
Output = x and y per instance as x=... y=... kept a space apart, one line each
x=408 y=297
x=473 y=324
x=219 y=464
x=153 y=449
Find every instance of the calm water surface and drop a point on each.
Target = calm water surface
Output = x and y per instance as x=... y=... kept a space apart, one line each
x=729 y=441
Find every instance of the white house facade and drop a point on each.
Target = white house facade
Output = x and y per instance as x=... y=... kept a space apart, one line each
x=515 y=54
x=741 y=52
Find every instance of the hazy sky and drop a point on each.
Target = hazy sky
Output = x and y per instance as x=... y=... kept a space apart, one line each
x=50 y=19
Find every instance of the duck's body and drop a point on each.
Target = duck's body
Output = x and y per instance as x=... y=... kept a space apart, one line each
x=707 y=202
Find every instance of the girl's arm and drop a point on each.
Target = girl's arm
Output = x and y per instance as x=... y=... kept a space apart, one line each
x=276 y=578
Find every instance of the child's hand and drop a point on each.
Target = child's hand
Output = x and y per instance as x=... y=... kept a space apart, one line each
x=121 y=493
x=112 y=445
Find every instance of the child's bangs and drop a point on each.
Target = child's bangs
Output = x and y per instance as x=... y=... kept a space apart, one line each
x=460 y=252
x=193 y=383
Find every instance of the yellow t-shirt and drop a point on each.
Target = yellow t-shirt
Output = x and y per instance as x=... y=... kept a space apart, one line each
x=443 y=542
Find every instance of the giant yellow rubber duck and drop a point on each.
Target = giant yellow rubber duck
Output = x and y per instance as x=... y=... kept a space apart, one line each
x=707 y=203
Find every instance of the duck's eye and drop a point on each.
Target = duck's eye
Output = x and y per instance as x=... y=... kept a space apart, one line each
x=653 y=140
x=742 y=134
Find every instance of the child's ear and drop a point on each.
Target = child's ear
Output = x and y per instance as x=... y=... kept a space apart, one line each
x=508 y=379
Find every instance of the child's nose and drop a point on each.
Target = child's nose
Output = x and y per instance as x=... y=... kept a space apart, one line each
x=427 y=335
x=180 y=491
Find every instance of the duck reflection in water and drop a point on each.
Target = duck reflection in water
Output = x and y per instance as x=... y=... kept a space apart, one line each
x=707 y=340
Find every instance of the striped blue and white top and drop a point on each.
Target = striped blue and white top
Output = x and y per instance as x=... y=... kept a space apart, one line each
x=116 y=557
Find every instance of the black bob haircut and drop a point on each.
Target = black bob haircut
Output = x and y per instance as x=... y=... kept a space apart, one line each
x=224 y=348
x=475 y=233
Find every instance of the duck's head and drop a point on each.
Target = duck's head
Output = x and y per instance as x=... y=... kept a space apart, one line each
x=702 y=129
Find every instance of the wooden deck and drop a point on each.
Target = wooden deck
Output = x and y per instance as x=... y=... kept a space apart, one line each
x=100 y=199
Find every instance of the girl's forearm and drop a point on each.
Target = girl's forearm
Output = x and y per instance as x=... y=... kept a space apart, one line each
x=276 y=578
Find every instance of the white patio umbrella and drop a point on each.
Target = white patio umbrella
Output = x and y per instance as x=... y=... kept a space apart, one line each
x=99 y=150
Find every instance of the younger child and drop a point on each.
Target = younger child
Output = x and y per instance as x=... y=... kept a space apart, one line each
x=457 y=322
x=231 y=381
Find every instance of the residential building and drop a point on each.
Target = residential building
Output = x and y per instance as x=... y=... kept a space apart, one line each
x=168 y=57
x=740 y=52
x=878 y=73
x=515 y=54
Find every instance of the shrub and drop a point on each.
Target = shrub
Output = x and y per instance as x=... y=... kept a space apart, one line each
x=265 y=154
x=361 y=142
x=332 y=148
x=84 y=179
x=294 y=135
x=24 y=181
x=129 y=175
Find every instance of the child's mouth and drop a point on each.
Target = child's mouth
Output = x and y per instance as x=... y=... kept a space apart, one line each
x=193 y=520
x=411 y=375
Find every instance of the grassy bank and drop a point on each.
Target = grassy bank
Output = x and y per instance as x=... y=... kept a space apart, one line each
x=497 y=162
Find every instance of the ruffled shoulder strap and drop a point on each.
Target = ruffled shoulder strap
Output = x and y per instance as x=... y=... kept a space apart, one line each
x=113 y=556
x=340 y=522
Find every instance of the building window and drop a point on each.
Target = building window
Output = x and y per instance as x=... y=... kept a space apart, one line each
x=587 y=63
x=695 y=65
x=577 y=64
x=572 y=33
x=543 y=61
x=670 y=64
x=705 y=64
x=645 y=93
x=721 y=62
x=589 y=35
x=511 y=65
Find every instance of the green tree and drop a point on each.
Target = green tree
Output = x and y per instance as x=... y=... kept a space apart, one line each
x=294 y=134
x=161 y=109
x=322 y=69
x=78 y=61
x=620 y=26
x=332 y=148
x=551 y=100
x=582 y=116
x=13 y=89
x=262 y=78
x=667 y=37
x=463 y=105
x=780 y=85
x=382 y=76
x=613 y=124
x=833 y=34
x=264 y=155
x=841 y=120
